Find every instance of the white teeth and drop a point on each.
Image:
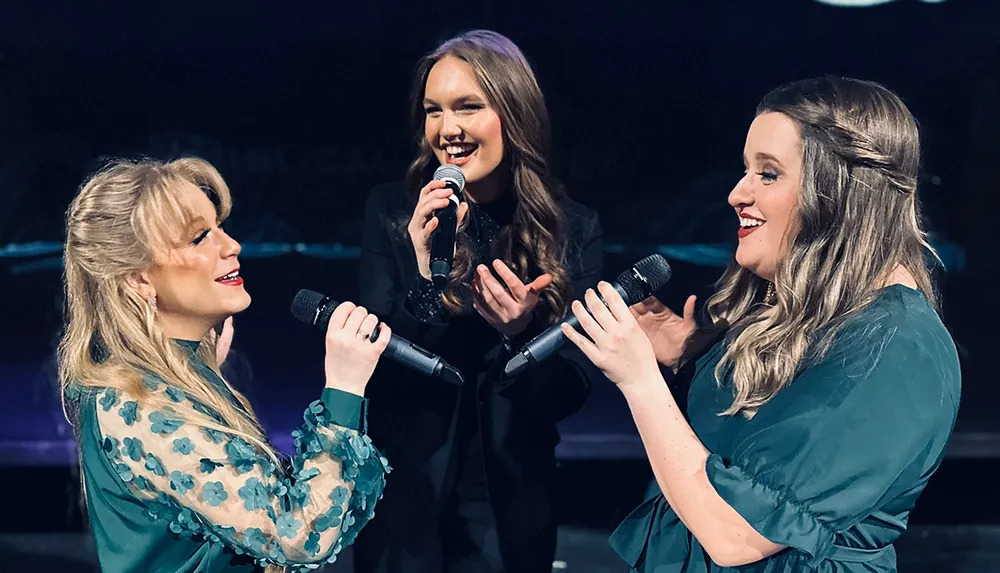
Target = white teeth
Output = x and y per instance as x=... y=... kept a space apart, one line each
x=747 y=222
x=230 y=276
x=459 y=149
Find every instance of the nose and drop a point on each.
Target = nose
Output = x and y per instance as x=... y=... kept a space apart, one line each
x=449 y=126
x=742 y=193
x=230 y=246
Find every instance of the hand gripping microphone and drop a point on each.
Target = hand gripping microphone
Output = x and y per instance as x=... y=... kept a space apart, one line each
x=443 y=238
x=314 y=308
x=634 y=285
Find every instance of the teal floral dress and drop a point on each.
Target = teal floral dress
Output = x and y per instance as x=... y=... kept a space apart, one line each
x=832 y=465
x=165 y=495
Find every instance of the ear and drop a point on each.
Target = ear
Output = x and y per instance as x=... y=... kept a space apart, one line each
x=139 y=283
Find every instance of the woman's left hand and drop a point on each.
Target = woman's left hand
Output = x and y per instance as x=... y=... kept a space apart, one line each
x=506 y=309
x=617 y=344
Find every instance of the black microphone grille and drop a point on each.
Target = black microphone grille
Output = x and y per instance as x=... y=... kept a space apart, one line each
x=447 y=171
x=656 y=269
x=305 y=304
x=644 y=278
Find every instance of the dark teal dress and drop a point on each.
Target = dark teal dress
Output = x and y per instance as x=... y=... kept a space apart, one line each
x=832 y=465
x=167 y=496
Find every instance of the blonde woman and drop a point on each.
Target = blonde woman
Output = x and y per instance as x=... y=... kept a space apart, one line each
x=178 y=473
x=817 y=419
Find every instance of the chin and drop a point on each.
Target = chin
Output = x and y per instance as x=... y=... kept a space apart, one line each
x=743 y=260
x=478 y=172
x=750 y=264
x=472 y=176
x=238 y=305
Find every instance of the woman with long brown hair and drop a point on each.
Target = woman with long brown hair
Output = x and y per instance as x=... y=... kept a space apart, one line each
x=826 y=401
x=474 y=466
x=178 y=473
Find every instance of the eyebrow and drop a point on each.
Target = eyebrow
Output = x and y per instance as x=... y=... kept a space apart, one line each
x=760 y=156
x=197 y=225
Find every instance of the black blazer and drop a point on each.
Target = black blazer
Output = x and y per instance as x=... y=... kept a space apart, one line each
x=412 y=418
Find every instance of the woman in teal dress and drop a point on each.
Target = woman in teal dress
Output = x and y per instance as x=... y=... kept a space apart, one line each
x=178 y=473
x=823 y=405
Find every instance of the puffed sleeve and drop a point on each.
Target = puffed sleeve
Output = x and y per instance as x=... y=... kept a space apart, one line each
x=867 y=425
x=216 y=485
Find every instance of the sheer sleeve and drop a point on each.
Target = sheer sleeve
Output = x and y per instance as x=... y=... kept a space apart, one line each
x=864 y=429
x=216 y=485
x=425 y=300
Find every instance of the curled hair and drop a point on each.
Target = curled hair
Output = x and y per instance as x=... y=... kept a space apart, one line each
x=857 y=219
x=534 y=243
x=122 y=216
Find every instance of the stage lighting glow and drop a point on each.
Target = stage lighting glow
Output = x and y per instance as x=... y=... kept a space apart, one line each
x=866 y=3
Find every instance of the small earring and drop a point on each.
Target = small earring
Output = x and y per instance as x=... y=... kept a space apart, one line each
x=770 y=297
x=151 y=301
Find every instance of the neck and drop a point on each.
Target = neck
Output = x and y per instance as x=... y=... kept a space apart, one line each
x=184 y=329
x=901 y=276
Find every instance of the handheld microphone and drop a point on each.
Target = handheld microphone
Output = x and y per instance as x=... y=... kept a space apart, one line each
x=634 y=285
x=443 y=238
x=314 y=308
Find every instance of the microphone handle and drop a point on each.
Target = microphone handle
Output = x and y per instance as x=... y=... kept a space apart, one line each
x=419 y=359
x=443 y=239
x=548 y=342
x=410 y=354
x=400 y=349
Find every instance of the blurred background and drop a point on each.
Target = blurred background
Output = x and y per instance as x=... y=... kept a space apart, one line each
x=303 y=108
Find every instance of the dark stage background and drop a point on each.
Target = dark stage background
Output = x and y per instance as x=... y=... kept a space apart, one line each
x=302 y=107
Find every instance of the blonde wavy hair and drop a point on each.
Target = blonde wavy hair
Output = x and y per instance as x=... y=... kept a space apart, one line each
x=121 y=218
x=857 y=220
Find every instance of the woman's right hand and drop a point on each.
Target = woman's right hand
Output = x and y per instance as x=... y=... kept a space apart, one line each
x=350 y=355
x=666 y=330
x=432 y=197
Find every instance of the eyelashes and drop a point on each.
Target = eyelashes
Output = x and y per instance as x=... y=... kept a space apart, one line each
x=466 y=108
x=201 y=237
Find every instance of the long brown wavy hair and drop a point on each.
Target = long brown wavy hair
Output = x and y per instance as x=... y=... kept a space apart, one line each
x=534 y=243
x=857 y=220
